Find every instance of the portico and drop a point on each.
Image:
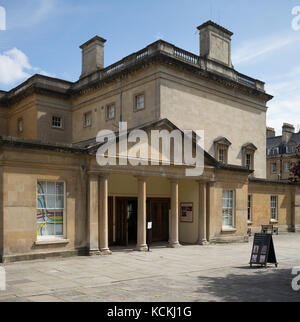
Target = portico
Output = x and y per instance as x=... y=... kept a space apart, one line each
x=148 y=193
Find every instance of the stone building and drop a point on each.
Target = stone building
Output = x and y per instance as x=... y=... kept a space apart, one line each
x=282 y=152
x=55 y=199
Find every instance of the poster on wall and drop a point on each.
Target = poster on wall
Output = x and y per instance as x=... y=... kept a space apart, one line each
x=186 y=212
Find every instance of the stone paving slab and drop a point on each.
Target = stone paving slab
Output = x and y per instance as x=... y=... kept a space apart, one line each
x=187 y=274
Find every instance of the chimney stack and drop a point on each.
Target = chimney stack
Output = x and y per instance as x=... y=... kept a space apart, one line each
x=270 y=132
x=92 y=55
x=287 y=131
x=215 y=43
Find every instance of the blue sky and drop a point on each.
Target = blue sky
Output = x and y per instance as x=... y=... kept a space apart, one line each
x=43 y=36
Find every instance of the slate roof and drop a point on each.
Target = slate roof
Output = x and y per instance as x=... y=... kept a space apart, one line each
x=276 y=142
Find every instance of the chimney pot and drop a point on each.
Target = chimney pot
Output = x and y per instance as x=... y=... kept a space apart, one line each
x=270 y=132
x=215 y=43
x=92 y=55
x=287 y=131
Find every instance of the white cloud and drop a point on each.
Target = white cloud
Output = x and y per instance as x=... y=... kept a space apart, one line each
x=261 y=48
x=15 y=67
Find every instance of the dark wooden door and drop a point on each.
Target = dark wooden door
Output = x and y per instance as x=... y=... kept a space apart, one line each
x=121 y=222
x=126 y=221
x=158 y=214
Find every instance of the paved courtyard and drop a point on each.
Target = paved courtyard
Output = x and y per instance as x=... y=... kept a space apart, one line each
x=187 y=274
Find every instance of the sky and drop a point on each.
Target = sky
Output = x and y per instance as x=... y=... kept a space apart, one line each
x=43 y=36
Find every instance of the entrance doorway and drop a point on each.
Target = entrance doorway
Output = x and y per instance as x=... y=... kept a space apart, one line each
x=158 y=214
x=126 y=220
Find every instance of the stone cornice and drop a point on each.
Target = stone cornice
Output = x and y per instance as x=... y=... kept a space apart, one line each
x=160 y=52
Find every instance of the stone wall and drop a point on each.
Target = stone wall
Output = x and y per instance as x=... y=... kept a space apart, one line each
x=261 y=205
x=193 y=103
x=18 y=210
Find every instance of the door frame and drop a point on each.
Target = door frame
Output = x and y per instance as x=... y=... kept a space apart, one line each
x=159 y=200
x=121 y=221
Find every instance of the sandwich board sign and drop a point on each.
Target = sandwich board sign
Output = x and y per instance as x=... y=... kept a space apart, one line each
x=263 y=251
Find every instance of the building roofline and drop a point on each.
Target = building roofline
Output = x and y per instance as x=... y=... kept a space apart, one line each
x=267 y=181
x=159 y=51
x=213 y=24
x=94 y=39
x=14 y=142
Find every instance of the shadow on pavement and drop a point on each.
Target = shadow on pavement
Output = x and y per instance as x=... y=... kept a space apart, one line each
x=252 y=285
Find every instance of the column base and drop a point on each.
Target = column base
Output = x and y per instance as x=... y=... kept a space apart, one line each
x=174 y=245
x=297 y=228
x=105 y=251
x=203 y=242
x=141 y=248
x=94 y=252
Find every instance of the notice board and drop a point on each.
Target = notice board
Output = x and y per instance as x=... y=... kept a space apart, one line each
x=263 y=251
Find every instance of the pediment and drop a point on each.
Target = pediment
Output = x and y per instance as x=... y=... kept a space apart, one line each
x=222 y=141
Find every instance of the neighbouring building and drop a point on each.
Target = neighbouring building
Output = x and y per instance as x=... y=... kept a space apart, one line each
x=282 y=152
x=56 y=200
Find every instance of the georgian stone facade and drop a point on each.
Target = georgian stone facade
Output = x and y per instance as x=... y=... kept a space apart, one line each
x=56 y=199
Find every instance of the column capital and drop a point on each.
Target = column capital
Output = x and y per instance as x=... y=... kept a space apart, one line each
x=141 y=178
x=103 y=175
x=93 y=177
x=174 y=180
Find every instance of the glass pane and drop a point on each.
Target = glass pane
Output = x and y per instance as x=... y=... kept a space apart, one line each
x=59 y=223
x=59 y=188
x=50 y=201
x=41 y=202
x=59 y=202
x=51 y=188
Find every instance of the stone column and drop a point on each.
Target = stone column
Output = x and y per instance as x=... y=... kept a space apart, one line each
x=93 y=225
x=103 y=197
x=296 y=210
x=211 y=210
x=202 y=239
x=142 y=198
x=174 y=233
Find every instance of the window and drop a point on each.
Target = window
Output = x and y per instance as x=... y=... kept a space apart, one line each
x=248 y=161
x=20 y=125
x=140 y=102
x=57 y=122
x=50 y=209
x=228 y=208
x=287 y=166
x=221 y=149
x=249 y=150
x=249 y=208
x=222 y=155
x=274 y=208
x=88 y=119
x=290 y=149
x=110 y=112
x=273 y=168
